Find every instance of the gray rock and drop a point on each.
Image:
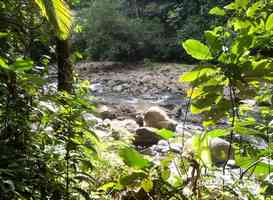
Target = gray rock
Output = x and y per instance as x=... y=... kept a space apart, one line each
x=128 y=124
x=96 y=87
x=146 y=137
x=105 y=112
x=91 y=118
x=157 y=118
x=117 y=88
x=187 y=130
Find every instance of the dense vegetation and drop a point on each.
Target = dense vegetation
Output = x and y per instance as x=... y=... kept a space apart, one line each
x=135 y=30
x=49 y=149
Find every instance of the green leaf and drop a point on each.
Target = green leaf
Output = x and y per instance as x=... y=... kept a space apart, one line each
x=165 y=134
x=218 y=133
x=3 y=34
x=240 y=24
x=231 y=6
x=165 y=169
x=134 y=159
x=196 y=143
x=58 y=14
x=206 y=156
x=246 y=131
x=213 y=40
x=197 y=49
x=21 y=65
x=217 y=11
x=204 y=101
x=252 y=10
x=241 y=44
x=3 y=63
x=241 y=3
x=269 y=23
x=205 y=151
x=147 y=185
x=195 y=109
x=201 y=149
x=237 y=4
x=197 y=73
x=189 y=76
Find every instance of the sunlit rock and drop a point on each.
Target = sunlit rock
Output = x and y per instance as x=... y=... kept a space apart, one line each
x=157 y=118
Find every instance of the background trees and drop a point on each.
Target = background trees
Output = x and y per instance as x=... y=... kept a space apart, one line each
x=134 y=30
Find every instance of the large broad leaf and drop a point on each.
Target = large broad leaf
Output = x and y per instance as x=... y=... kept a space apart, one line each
x=217 y=11
x=269 y=23
x=134 y=159
x=21 y=65
x=200 y=72
x=189 y=76
x=165 y=134
x=58 y=14
x=197 y=49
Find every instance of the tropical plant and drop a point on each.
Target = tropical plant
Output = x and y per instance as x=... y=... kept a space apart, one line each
x=46 y=144
x=234 y=81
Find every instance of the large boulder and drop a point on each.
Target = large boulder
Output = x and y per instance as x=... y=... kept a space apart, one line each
x=219 y=150
x=157 y=118
x=146 y=137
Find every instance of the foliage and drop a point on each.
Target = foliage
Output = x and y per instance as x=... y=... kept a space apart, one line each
x=43 y=153
x=108 y=35
x=224 y=89
x=58 y=14
x=139 y=29
x=51 y=151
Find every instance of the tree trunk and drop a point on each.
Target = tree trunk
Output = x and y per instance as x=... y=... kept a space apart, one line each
x=65 y=67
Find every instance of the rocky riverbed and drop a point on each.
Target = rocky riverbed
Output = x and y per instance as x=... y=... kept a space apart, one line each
x=129 y=89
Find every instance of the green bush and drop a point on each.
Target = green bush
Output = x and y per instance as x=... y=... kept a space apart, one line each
x=107 y=34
